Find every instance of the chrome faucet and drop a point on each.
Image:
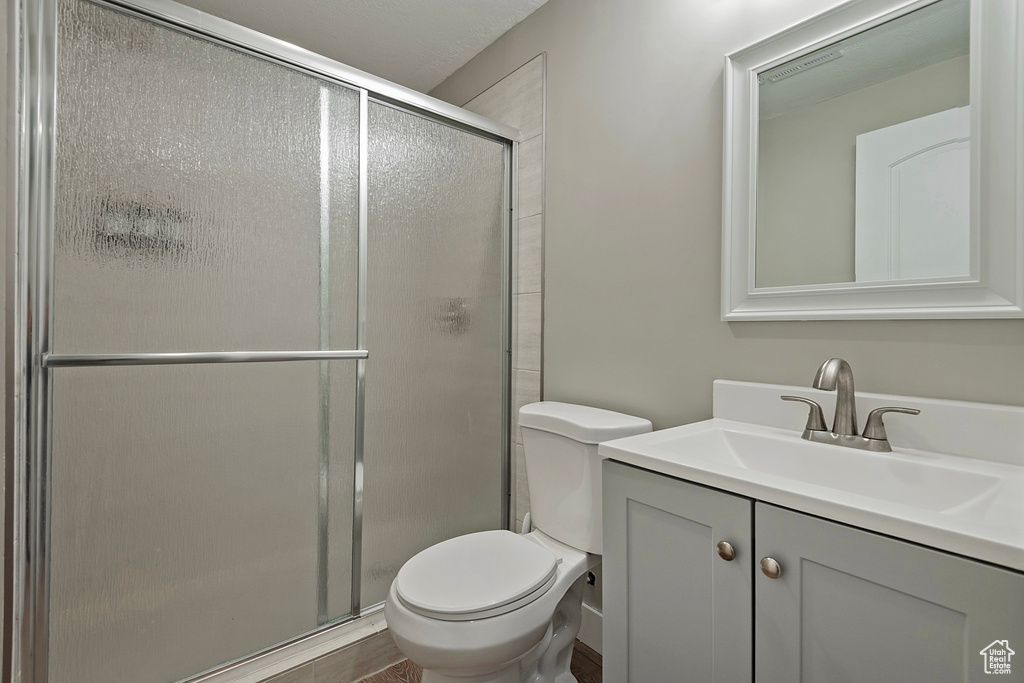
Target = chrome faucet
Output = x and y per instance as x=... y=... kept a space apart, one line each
x=836 y=375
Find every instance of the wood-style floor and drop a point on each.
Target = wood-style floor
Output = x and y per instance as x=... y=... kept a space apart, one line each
x=586 y=667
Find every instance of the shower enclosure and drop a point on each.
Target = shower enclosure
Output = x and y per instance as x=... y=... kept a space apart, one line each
x=258 y=340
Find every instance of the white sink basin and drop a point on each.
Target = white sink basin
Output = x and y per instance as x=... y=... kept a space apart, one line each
x=965 y=505
x=918 y=480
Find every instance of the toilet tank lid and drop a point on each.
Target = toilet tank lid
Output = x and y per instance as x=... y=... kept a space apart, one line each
x=581 y=423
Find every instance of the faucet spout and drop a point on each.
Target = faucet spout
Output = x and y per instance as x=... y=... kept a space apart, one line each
x=836 y=375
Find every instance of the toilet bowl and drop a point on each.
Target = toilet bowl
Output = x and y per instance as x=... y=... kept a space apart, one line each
x=466 y=647
x=498 y=607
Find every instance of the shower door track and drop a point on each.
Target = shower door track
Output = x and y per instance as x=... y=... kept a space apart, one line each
x=33 y=32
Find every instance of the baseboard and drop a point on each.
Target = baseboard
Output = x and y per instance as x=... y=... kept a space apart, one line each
x=590 y=629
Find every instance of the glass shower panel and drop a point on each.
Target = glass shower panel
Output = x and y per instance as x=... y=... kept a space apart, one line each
x=191 y=187
x=206 y=200
x=184 y=507
x=434 y=377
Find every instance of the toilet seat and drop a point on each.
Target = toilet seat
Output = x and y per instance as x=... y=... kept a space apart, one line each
x=476 y=576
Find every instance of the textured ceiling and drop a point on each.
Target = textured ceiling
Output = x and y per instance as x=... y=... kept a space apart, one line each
x=416 y=43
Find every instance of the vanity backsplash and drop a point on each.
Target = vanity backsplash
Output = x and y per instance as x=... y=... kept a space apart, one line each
x=974 y=430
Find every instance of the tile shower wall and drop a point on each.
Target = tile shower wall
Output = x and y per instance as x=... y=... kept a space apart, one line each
x=518 y=100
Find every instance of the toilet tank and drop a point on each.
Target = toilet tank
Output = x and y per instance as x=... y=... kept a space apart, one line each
x=563 y=468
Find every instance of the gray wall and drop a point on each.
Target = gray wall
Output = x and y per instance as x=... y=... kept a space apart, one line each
x=633 y=223
x=806 y=195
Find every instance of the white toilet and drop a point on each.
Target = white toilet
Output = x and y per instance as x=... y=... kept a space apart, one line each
x=497 y=607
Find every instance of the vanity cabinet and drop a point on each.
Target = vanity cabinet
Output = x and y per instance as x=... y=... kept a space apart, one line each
x=852 y=605
x=673 y=609
x=848 y=606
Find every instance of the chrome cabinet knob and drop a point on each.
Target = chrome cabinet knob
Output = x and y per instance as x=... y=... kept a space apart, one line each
x=726 y=551
x=771 y=567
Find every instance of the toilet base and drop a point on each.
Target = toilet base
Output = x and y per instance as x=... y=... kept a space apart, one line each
x=551 y=659
x=548 y=661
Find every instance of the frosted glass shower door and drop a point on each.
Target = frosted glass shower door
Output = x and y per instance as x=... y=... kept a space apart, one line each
x=191 y=193
x=185 y=502
x=434 y=411
x=206 y=201
x=184 y=506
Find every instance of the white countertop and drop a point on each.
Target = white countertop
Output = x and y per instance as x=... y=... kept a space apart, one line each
x=985 y=517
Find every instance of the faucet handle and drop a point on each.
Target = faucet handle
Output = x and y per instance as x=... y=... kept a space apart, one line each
x=875 y=429
x=815 y=418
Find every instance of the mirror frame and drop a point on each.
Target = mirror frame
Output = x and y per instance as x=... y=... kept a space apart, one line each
x=995 y=289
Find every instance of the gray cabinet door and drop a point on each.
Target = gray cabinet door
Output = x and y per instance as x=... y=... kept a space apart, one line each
x=673 y=609
x=852 y=606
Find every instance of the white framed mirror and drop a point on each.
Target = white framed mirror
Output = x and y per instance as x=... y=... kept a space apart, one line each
x=874 y=165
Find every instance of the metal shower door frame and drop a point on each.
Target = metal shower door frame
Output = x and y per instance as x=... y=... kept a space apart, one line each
x=29 y=363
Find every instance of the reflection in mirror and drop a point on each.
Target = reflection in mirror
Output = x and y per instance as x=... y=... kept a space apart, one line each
x=864 y=156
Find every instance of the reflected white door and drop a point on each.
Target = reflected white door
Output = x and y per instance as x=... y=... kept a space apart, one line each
x=913 y=199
